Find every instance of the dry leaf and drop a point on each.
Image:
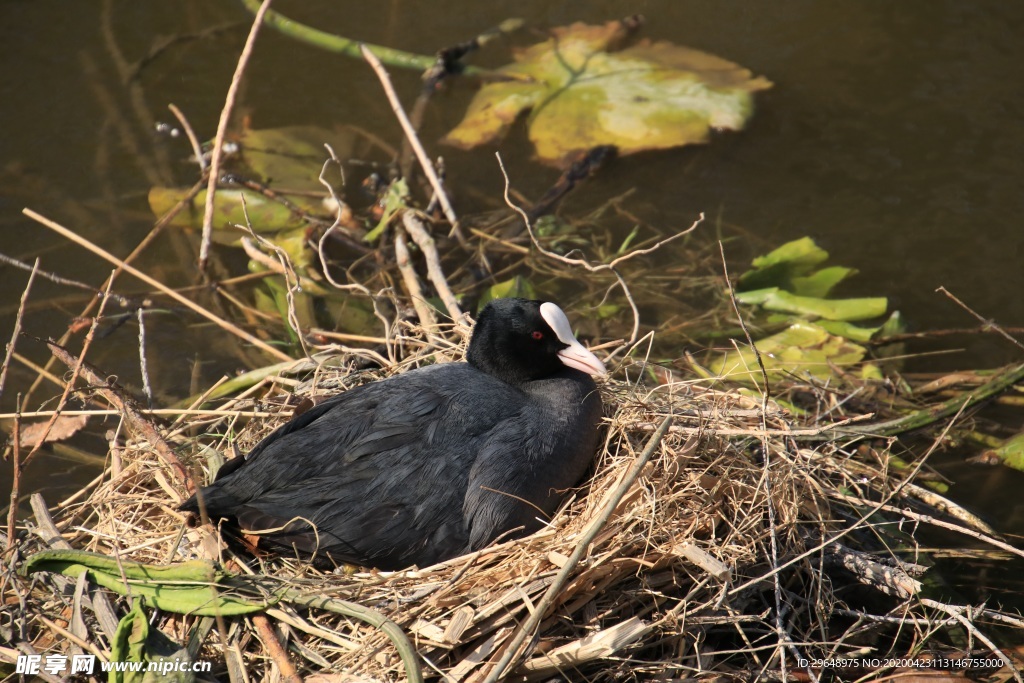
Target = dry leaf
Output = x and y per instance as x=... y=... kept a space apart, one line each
x=583 y=92
x=64 y=427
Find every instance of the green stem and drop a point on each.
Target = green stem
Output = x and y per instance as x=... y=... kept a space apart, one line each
x=347 y=46
x=923 y=418
x=393 y=631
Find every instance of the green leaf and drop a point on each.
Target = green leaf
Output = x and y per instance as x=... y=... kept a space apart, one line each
x=394 y=201
x=265 y=215
x=193 y=587
x=800 y=255
x=777 y=268
x=802 y=349
x=291 y=158
x=820 y=284
x=894 y=325
x=514 y=287
x=1011 y=453
x=830 y=309
x=130 y=644
x=583 y=92
x=852 y=332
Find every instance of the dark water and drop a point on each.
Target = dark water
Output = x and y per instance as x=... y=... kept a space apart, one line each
x=893 y=137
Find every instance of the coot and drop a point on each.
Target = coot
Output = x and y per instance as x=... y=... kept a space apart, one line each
x=432 y=463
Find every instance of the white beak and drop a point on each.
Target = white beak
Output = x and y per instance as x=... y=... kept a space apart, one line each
x=575 y=355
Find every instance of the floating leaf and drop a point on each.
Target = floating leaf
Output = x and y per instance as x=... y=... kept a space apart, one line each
x=850 y=331
x=63 y=427
x=778 y=267
x=775 y=299
x=820 y=284
x=803 y=349
x=583 y=92
x=264 y=214
x=291 y=158
x=1011 y=453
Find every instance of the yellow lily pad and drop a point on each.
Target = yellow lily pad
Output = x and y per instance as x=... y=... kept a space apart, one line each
x=583 y=92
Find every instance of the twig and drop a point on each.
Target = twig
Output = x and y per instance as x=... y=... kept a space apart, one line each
x=12 y=511
x=292 y=280
x=122 y=265
x=274 y=649
x=766 y=394
x=76 y=368
x=583 y=263
x=412 y=283
x=345 y=46
x=957 y=613
x=143 y=365
x=582 y=546
x=53 y=277
x=322 y=254
x=197 y=149
x=119 y=398
x=16 y=332
x=417 y=146
x=222 y=127
x=421 y=236
x=987 y=323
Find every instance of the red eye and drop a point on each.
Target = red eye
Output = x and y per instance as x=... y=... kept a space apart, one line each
x=537 y=335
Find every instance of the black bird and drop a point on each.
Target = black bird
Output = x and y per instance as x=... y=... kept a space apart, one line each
x=432 y=463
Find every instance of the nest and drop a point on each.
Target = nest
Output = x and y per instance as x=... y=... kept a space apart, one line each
x=718 y=545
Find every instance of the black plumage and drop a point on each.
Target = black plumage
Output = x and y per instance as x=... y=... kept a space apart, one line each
x=432 y=463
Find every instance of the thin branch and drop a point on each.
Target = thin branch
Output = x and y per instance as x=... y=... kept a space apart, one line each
x=421 y=236
x=197 y=149
x=53 y=277
x=122 y=265
x=76 y=370
x=424 y=312
x=583 y=263
x=987 y=323
x=292 y=280
x=417 y=146
x=17 y=325
x=143 y=365
x=120 y=400
x=222 y=127
x=322 y=254
x=12 y=511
